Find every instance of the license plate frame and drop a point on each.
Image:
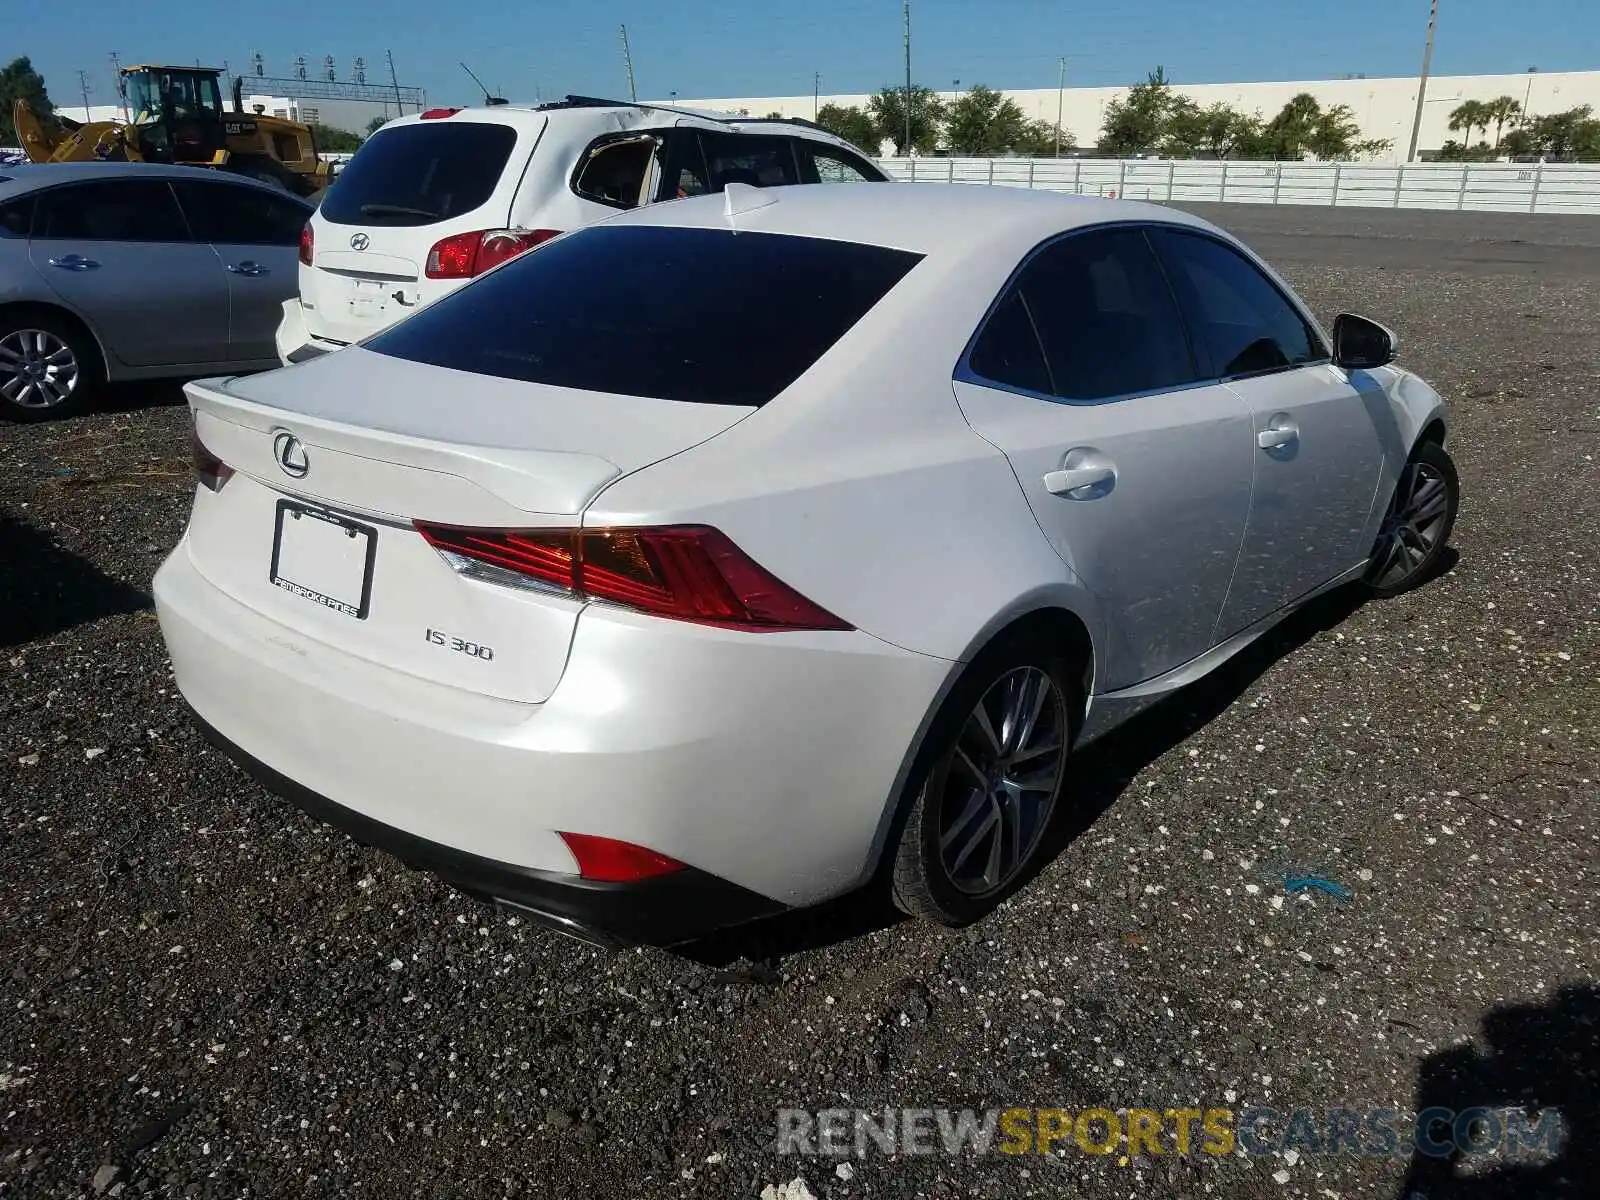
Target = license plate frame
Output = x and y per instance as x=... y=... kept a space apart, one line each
x=293 y=510
x=369 y=298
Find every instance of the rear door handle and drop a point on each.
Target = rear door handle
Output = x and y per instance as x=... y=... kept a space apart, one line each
x=1085 y=474
x=74 y=262
x=1280 y=432
x=247 y=268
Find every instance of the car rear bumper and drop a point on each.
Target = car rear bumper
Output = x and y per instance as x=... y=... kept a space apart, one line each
x=294 y=340
x=765 y=762
x=664 y=910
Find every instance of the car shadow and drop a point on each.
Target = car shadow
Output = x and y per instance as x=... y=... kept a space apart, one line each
x=1537 y=1075
x=49 y=589
x=134 y=397
x=1102 y=773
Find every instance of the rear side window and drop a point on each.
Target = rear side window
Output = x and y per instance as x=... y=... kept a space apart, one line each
x=230 y=214
x=1105 y=317
x=702 y=315
x=420 y=174
x=614 y=172
x=745 y=158
x=16 y=216
x=831 y=165
x=1242 y=323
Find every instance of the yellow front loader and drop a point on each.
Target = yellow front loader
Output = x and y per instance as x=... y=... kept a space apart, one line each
x=177 y=116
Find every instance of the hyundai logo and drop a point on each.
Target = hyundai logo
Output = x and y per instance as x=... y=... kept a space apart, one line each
x=291 y=454
x=359 y=241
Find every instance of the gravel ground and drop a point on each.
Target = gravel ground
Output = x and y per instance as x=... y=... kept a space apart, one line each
x=204 y=993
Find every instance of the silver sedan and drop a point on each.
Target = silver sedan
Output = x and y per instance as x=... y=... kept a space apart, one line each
x=118 y=271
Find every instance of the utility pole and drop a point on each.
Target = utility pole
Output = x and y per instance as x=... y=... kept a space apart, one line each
x=399 y=108
x=908 y=77
x=816 y=94
x=1422 y=84
x=1061 y=99
x=627 y=59
x=116 y=82
x=83 y=84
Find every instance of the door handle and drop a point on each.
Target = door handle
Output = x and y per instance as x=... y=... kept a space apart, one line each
x=1085 y=474
x=74 y=262
x=247 y=268
x=1280 y=432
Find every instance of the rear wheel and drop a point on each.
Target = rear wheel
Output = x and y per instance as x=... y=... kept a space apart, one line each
x=996 y=769
x=1415 y=529
x=48 y=367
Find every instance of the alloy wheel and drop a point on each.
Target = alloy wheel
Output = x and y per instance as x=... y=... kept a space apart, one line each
x=1416 y=521
x=1002 y=780
x=37 y=369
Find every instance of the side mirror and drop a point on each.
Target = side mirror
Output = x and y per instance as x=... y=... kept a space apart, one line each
x=1360 y=344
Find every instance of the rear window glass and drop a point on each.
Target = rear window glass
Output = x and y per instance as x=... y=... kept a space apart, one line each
x=420 y=174
x=703 y=315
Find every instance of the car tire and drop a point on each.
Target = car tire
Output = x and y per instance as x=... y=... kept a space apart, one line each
x=49 y=366
x=976 y=825
x=1417 y=526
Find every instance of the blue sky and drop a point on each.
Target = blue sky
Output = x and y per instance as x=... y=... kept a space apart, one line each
x=762 y=48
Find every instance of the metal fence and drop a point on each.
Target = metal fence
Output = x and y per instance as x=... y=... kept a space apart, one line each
x=1483 y=187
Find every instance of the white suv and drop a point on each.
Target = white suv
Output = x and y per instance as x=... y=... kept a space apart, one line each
x=432 y=200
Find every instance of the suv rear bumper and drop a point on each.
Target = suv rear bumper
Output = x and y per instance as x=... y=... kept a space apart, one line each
x=295 y=343
x=661 y=911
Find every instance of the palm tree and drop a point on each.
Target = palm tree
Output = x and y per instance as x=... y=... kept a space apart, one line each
x=1470 y=115
x=1503 y=111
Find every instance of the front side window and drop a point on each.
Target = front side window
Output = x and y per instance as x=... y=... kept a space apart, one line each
x=1242 y=323
x=709 y=316
x=111 y=210
x=837 y=166
x=1104 y=315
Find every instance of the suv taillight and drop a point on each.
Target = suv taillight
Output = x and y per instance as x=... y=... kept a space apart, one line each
x=464 y=255
x=308 y=243
x=686 y=572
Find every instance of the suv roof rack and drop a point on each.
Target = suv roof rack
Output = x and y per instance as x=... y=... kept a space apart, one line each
x=783 y=121
x=704 y=115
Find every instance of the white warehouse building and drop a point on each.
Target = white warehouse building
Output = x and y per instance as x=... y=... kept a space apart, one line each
x=1384 y=108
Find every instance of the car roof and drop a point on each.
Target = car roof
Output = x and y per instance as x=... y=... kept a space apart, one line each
x=25 y=177
x=623 y=115
x=925 y=218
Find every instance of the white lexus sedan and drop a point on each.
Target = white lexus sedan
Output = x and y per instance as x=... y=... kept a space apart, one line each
x=739 y=551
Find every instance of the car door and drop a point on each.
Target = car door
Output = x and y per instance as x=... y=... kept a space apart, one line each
x=256 y=235
x=1137 y=470
x=1318 y=451
x=119 y=253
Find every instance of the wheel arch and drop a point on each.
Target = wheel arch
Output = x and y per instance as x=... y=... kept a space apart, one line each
x=11 y=309
x=1052 y=618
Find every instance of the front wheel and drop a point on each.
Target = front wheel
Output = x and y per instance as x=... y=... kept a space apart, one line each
x=1415 y=529
x=996 y=769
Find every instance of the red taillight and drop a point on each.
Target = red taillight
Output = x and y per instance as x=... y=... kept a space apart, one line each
x=210 y=470
x=686 y=572
x=606 y=860
x=308 y=243
x=464 y=255
x=434 y=114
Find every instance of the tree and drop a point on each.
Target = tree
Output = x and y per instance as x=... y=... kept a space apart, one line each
x=774 y=116
x=1136 y=123
x=19 y=81
x=1038 y=140
x=1470 y=115
x=855 y=125
x=376 y=124
x=889 y=107
x=335 y=141
x=1574 y=133
x=983 y=123
x=1503 y=111
x=1304 y=127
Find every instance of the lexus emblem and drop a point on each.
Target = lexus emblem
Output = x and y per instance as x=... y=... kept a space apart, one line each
x=291 y=454
x=359 y=241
